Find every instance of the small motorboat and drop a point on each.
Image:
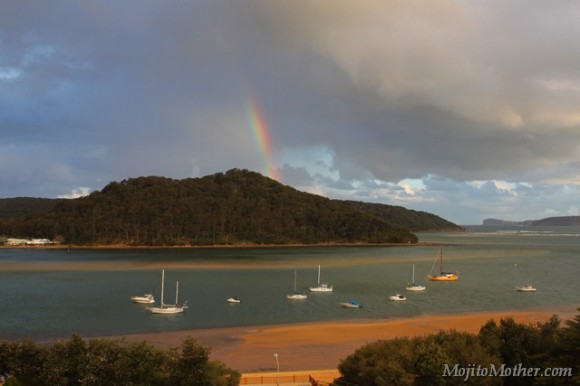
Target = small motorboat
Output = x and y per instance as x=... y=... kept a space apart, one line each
x=397 y=297
x=233 y=300
x=351 y=304
x=526 y=288
x=145 y=299
x=296 y=296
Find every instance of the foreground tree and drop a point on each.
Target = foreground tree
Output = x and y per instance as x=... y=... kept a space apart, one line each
x=380 y=363
x=568 y=348
x=191 y=366
x=101 y=361
x=65 y=361
x=423 y=360
x=23 y=360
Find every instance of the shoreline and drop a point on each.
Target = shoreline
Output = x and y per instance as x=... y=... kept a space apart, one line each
x=238 y=246
x=321 y=345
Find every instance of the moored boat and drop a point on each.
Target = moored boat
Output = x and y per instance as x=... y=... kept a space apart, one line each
x=412 y=286
x=169 y=308
x=145 y=299
x=442 y=276
x=351 y=304
x=321 y=287
x=526 y=288
x=296 y=295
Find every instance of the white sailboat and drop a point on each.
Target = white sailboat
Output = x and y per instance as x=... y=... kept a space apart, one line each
x=296 y=295
x=525 y=288
x=412 y=286
x=169 y=308
x=321 y=287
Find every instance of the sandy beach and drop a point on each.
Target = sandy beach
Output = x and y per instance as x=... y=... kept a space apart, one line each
x=316 y=346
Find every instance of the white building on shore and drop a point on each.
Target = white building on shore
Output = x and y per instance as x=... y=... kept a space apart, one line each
x=28 y=242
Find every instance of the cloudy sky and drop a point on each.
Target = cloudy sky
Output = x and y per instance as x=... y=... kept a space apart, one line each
x=465 y=109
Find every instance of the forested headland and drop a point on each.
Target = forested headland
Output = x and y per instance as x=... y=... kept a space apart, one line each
x=238 y=207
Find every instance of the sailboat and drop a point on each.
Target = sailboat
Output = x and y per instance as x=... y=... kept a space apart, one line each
x=321 y=287
x=295 y=295
x=442 y=276
x=412 y=286
x=169 y=308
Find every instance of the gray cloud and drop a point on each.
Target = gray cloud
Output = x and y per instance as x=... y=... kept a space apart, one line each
x=357 y=96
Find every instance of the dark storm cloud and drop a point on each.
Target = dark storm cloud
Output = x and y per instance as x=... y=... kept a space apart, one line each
x=359 y=96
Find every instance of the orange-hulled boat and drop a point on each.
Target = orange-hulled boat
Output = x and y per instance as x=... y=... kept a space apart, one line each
x=442 y=276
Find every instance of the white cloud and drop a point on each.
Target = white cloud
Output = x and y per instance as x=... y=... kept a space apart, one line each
x=81 y=191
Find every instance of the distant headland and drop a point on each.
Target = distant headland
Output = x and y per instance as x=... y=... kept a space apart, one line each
x=549 y=221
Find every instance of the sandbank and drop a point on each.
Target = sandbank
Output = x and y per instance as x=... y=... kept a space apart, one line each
x=124 y=265
x=316 y=346
x=127 y=264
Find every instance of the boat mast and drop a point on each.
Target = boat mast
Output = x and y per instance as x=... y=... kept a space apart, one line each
x=441 y=261
x=162 y=285
x=318 y=274
x=176 y=293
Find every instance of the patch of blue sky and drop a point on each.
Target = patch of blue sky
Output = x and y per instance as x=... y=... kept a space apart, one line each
x=9 y=73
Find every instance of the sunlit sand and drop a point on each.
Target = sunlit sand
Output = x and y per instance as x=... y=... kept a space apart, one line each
x=316 y=346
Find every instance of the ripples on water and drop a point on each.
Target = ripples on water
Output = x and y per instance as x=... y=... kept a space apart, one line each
x=47 y=302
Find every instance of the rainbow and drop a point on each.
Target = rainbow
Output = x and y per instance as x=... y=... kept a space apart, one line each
x=262 y=136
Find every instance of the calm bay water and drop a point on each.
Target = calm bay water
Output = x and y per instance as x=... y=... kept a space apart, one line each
x=47 y=302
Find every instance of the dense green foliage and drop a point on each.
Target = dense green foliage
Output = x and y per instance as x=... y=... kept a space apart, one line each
x=233 y=208
x=21 y=207
x=421 y=361
x=411 y=220
x=106 y=362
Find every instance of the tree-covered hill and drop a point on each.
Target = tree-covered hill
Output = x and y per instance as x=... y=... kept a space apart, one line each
x=25 y=206
x=411 y=220
x=233 y=208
